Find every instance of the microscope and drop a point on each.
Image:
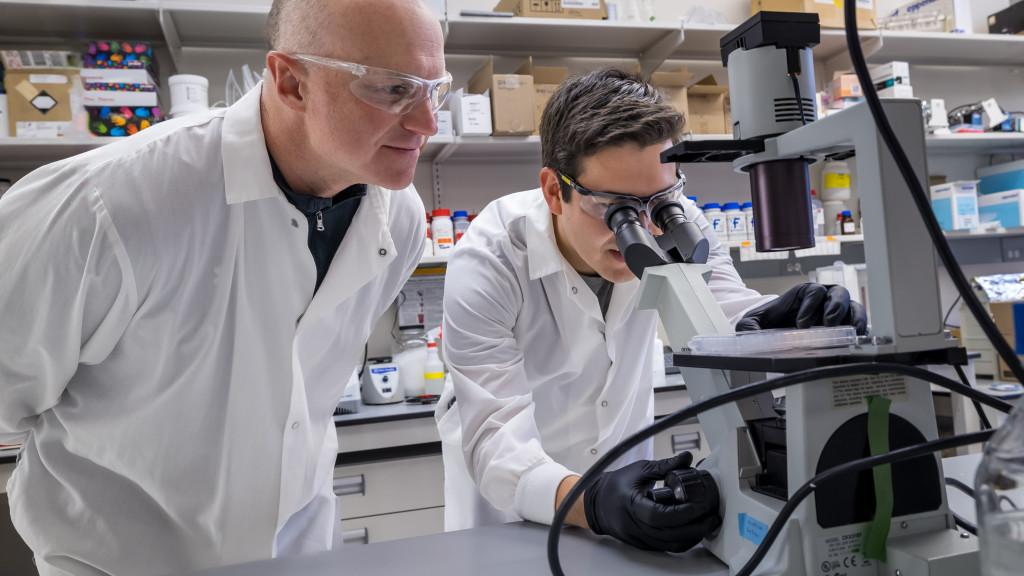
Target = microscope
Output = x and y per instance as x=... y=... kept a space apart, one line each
x=759 y=456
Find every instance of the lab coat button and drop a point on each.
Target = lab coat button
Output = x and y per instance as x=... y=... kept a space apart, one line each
x=295 y=223
x=593 y=450
x=382 y=252
x=573 y=289
x=295 y=425
x=604 y=404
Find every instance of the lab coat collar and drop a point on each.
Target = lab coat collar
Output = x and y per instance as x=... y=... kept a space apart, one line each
x=247 y=171
x=542 y=250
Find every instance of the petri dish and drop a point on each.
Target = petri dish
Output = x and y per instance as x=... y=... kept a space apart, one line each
x=776 y=340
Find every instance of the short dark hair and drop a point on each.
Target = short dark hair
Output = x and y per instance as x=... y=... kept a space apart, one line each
x=603 y=108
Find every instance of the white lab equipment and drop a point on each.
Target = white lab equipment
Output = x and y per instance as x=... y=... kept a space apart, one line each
x=350 y=399
x=189 y=94
x=410 y=355
x=735 y=223
x=460 y=223
x=999 y=486
x=382 y=383
x=713 y=212
x=818 y=213
x=433 y=371
x=748 y=214
x=442 y=231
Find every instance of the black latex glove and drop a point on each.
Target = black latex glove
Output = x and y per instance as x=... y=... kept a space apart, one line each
x=807 y=305
x=617 y=505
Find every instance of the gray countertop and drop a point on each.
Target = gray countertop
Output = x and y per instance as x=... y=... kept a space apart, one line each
x=516 y=549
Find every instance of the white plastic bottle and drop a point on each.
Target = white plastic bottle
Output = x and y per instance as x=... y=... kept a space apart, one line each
x=835 y=192
x=735 y=223
x=999 y=486
x=713 y=212
x=410 y=355
x=748 y=214
x=428 y=248
x=433 y=371
x=461 y=223
x=442 y=231
x=818 y=214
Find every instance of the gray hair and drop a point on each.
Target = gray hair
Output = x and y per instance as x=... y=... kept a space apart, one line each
x=293 y=26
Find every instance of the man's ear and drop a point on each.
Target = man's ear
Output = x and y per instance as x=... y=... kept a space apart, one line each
x=552 y=190
x=286 y=80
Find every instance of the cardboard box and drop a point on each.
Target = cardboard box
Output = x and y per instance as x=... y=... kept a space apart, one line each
x=830 y=13
x=1001 y=177
x=120 y=98
x=846 y=86
x=1007 y=21
x=511 y=99
x=580 y=9
x=1007 y=208
x=546 y=80
x=896 y=91
x=672 y=87
x=444 y=124
x=130 y=76
x=890 y=74
x=930 y=16
x=39 y=102
x=706 y=101
x=471 y=113
x=120 y=54
x=956 y=204
x=1009 y=319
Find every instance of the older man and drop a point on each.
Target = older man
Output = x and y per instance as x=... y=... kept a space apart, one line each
x=182 y=308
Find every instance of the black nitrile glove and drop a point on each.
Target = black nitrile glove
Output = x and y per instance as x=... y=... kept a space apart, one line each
x=618 y=505
x=807 y=305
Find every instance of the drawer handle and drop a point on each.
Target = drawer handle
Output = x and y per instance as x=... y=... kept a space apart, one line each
x=350 y=486
x=358 y=536
x=683 y=442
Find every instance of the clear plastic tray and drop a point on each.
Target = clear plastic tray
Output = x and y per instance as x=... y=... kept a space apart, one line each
x=780 y=339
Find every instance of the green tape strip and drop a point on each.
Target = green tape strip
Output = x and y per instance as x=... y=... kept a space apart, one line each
x=878 y=442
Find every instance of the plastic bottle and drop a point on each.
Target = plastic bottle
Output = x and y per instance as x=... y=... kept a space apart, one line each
x=713 y=212
x=833 y=214
x=847 y=223
x=836 y=181
x=735 y=224
x=443 y=232
x=648 y=10
x=428 y=248
x=410 y=355
x=818 y=213
x=748 y=213
x=433 y=371
x=461 y=223
x=998 y=487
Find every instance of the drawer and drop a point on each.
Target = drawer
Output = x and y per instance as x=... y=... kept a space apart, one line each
x=376 y=435
x=389 y=486
x=372 y=529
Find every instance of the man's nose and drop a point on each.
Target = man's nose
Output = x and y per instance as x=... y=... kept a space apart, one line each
x=421 y=119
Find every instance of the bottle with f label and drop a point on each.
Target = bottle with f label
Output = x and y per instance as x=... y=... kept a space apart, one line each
x=748 y=215
x=713 y=212
x=442 y=231
x=735 y=223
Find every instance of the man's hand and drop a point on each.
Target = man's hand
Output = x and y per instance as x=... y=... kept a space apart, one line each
x=807 y=305
x=617 y=505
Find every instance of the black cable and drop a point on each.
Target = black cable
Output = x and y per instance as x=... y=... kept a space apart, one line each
x=921 y=199
x=950 y=311
x=855 y=466
x=982 y=417
x=964 y=523
x=960 y=486
x=799 y=99
x=590 y=476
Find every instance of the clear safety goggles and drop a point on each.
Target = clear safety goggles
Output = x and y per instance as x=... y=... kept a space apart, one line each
x=596 y=203
x=388 y=90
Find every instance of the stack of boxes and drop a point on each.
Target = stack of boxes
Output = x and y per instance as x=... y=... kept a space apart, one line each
x=120 y=88
x=704 y=104
x=43 y=93
x=1001 y=197
x=890 y=80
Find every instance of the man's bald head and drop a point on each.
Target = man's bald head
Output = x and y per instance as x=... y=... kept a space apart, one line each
x=296 y=26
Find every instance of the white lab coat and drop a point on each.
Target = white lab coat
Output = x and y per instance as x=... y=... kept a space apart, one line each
x=165 y=361
x=544 y=384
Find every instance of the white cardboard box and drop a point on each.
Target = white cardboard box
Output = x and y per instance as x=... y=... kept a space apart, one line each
x=118 y=98
x=897 y=91
x=444 y=123
x=471 y=113
x=1005 y=207
x=956 y=204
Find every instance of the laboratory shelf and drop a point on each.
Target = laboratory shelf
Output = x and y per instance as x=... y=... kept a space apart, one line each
x=56 y=22
x=986 y=143
x=702 y=42
x=28 y=153
x=214 y=24
x=943 y=49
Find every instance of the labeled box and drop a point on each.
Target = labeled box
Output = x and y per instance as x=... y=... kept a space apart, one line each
x=546 y=80
x=1009 y=319
x=119 y=54
x=444 y=124
x=471 y=113
x=1007 y=21
x=930 y=16
x=125 y=121
x=890 y=74
x=672 y=87
x=707 y=103
x=1007 y=208
x=897 y=91
x=120 y=98
x=955 y=204
x=1001 y=177
x=511 y=99
x=129 y=76
x=579 y=9
x=845 y=86
x=39 y=101
x=830 y=13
